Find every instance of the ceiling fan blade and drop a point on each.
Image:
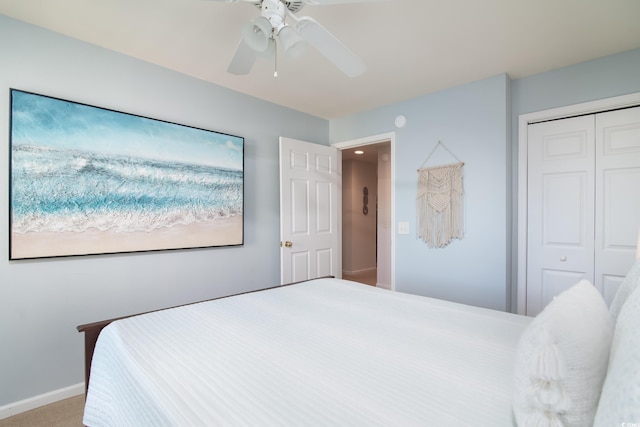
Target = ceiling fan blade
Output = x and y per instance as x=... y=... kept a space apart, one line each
x=329 y=46
x=243 y=59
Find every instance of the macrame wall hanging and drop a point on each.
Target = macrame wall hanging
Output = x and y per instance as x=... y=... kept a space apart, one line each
x=439 y=201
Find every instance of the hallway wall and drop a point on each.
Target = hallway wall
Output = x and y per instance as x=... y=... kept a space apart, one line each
x=358 y=229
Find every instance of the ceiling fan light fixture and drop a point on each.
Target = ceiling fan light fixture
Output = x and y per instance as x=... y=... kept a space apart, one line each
x=257 y=34
x=270 y=51
x=292 y=44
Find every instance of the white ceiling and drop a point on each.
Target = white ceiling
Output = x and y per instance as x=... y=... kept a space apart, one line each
x=411 y=47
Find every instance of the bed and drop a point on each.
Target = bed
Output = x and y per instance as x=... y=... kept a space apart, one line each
x=331 y=352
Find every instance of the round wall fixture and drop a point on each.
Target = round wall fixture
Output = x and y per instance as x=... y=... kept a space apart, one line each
x=401 y=121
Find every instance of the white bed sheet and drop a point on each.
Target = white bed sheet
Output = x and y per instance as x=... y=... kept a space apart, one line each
x=322 y=353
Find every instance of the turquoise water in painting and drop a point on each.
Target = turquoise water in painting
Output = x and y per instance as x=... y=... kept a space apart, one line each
x=76 y=167
x=62 y=190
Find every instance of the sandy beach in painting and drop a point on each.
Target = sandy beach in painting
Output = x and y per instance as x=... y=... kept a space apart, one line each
x=219 y=232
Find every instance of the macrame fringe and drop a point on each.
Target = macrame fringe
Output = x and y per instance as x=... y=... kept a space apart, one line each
x=439 y=205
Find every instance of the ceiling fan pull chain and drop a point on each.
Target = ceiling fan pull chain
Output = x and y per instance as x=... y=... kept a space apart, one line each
x=275 y=59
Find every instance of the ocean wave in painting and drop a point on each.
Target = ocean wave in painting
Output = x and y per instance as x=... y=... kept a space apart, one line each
x=65 y=190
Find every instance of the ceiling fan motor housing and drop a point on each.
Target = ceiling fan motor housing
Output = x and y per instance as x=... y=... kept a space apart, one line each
x=274 y=11
x=294 y=6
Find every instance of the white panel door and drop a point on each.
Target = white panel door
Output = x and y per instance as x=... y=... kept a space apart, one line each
x=617 y=196
x=310 y=184
x=560 y=242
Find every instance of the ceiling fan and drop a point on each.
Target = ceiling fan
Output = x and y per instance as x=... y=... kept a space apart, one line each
x=259 y=36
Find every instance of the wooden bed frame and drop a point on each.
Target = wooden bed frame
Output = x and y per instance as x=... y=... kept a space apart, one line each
x=92 y=330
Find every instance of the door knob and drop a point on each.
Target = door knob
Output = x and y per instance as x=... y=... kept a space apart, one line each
x=563 y=258
x=288 y=244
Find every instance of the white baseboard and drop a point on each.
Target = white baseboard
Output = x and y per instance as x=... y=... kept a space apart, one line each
x=40 y=400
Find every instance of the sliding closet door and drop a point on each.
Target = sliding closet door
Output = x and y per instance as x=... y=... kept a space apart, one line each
x=560 y=241
x=617 y=196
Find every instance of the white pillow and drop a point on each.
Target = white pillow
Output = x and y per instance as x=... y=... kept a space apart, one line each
x=626 y=288
x=561 y=360
x=620 y=399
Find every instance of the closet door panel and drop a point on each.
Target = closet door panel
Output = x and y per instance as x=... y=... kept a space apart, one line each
x=617 y=196
x=560 y=208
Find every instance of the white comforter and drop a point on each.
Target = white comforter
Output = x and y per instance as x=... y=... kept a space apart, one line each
x=322 y=353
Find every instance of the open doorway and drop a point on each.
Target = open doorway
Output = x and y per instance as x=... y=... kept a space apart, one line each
x=366 y=214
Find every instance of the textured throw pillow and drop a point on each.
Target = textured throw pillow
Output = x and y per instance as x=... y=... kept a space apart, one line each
x=561 y=360
x=626 y=288
x=620 y=399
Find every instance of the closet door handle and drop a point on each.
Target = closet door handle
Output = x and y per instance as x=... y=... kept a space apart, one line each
x=563 y=258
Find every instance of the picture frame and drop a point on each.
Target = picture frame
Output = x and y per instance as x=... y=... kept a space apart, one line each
x=86 y=180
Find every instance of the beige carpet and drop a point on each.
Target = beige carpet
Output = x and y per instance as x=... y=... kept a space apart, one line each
x=65 y=413
x=369 y=277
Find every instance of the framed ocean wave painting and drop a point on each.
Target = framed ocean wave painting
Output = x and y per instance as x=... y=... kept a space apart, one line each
x=88 y=180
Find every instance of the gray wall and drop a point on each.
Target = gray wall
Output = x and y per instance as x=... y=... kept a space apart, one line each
x=42 y=301
x=358 y=230
x=479 y=123
x=605 y=77
x=471 y=121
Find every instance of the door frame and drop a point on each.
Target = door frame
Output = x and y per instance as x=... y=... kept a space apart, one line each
x=369 y=140
x=524 y=120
